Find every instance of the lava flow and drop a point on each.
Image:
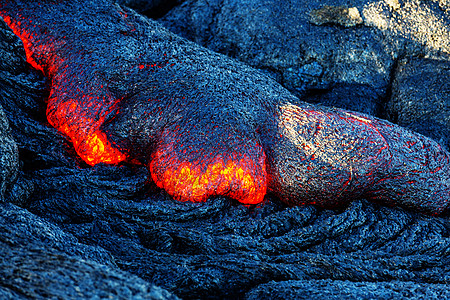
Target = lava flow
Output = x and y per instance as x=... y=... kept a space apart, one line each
x=77 y=116
x=237 y=176
x=124 y=88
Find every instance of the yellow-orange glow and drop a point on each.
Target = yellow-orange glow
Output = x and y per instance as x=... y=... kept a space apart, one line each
x=69 y=117
x=186 y=181
x=80 y=118
x=89 y=141
x=97 y=149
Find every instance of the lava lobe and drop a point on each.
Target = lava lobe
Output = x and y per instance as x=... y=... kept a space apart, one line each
x=123 y=88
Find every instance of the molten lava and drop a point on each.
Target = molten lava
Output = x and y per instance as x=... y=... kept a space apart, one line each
x=124 y=88
x=195 y=181
x=89 y=141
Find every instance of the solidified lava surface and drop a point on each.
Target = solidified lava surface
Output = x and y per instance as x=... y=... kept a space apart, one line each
x=70 y=230
x=124 y=88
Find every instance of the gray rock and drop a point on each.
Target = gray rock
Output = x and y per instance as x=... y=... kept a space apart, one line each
x=282 y=38
x=9 y=156
x=153 y=8
x=40 y=261
x=22 y=95
x=420 y=98
x=338 y=15
x=328 y=289
x=140 y=5
x=350 y=49
x=413 y=28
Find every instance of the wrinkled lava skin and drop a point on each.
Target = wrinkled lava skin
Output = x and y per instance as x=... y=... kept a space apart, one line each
x=125 y=89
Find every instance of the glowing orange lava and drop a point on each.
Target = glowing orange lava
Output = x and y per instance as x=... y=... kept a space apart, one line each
x=73 y=118
x=26 y=40
x=186 y=181
x=80 y=117
x=89 y=141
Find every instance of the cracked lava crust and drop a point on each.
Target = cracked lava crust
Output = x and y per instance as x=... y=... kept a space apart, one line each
x=125 y=89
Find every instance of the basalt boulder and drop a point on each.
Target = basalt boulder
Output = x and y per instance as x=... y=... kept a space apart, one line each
x=329 y=52
x=420 y=94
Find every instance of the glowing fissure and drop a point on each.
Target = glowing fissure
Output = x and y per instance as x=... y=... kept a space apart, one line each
x=89 y=142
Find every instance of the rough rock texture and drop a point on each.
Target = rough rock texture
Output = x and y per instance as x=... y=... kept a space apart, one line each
x=352 y=68
x=41 y=261
x=326 y=289
x=152 y=8
x=206 y=125
x=9 y=156
x=102 y=218
x=140 y=5
x=38 y=259
x=420 y=97
x=282 y=40
x=337 y=15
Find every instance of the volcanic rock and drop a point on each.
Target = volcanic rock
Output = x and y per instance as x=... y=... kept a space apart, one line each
x=108 y=226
